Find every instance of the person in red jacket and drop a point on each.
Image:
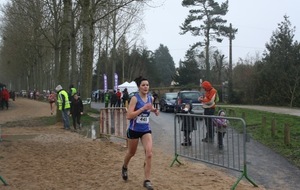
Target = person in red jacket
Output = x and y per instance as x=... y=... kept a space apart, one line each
x=5 y=97
x=119 y=94
x=1 y=98
x=209 y=105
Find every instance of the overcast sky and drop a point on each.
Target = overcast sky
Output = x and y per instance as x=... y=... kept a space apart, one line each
x=256 y=20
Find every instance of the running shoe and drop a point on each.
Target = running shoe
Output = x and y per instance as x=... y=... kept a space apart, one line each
x=148 y=185
x=124 y=173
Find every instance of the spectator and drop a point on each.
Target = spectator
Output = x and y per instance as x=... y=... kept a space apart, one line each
x=119 y=94
x=72 y=91
x=106 y=98
x=5 y=97
x=155 y=101
x=63 y=105
x=209 y=109
x=12 y=95
x=188 y=125
x=125 y=97
x=221 y=127
x=113 y=99
x=1 y=98
x=76 y=111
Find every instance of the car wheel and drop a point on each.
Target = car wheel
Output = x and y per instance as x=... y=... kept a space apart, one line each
x=160 y=108
x=175 y=110
x=165 y=108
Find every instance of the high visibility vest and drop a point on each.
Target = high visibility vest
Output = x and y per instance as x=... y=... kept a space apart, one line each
x=106 y=98
x=59 y=100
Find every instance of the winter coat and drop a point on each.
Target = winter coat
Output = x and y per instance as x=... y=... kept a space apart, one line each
x=76 y=106
x=210 y=95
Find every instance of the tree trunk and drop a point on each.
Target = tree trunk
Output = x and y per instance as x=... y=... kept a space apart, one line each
x=74 y=67
x=63 y=75
x=65 y=46
x=87 y=51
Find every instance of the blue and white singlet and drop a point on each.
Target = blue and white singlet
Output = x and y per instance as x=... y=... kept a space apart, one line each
x=141 y=122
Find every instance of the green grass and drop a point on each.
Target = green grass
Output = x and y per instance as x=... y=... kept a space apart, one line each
x=263 y=133
x=87 y=120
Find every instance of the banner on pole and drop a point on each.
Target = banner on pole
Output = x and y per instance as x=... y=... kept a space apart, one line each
x=105 y=82
x=116 y=81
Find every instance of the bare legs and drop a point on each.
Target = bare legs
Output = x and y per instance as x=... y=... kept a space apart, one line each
x=51 y=108
x=147 y=145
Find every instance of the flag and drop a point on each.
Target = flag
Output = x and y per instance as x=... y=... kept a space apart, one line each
x=116 y=81
x=105 y=82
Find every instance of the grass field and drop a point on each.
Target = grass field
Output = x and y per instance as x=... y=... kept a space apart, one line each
x=271 y=129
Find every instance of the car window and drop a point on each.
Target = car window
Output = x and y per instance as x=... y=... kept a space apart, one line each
x=171 y=96
x=190 y=95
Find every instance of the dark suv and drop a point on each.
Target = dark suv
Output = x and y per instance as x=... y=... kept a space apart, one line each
x=186 y=96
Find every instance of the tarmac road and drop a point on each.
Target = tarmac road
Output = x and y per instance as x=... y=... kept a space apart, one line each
x=265 y=167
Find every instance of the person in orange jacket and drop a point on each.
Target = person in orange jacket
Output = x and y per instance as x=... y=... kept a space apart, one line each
x=209 y=105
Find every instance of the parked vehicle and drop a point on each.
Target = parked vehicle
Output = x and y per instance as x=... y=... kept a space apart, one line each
x=167 y=101
x=130 y=95
x=186 y=96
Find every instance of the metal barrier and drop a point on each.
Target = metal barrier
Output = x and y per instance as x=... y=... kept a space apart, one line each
x=3 y=181
x=190 y=142
x=113 y=122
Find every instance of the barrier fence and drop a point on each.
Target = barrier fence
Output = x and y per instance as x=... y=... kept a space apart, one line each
x=3 y=181
x=189 y=130
x=113 y=122
x=190 y=141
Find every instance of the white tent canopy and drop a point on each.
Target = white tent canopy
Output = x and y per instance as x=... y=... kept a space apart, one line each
x=131 y=87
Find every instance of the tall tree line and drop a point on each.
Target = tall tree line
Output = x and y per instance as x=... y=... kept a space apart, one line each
x=50 y=42
x=274 y=78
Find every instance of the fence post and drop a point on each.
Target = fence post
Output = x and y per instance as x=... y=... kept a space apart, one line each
x=287 y=134
x=244 y=116
x=273 y=127
x=232 y=112
x=263 y=125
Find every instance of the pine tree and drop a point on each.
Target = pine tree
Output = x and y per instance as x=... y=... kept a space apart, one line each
x=280 y=71
x=212 y=25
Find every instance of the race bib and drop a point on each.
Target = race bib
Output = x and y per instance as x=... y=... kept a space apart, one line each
x=142 y=119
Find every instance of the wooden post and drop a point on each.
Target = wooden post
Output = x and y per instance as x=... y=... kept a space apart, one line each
x=244 y=115
x=287 y=134
x=232 y=112
x=273 y=127
x=263 y=125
